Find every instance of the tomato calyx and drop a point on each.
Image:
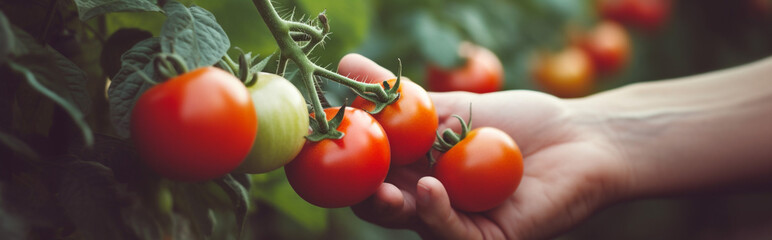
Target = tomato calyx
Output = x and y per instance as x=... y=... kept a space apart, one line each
x=169 y=65
x=390 y=91
x=449 y=138
x=246 y=69
x=332 y=133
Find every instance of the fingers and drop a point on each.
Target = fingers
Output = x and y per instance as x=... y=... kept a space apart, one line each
x=386 y=207
x=360 y=68
x=433 y=207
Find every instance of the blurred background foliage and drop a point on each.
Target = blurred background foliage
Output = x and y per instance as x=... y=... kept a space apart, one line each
x=697 y=36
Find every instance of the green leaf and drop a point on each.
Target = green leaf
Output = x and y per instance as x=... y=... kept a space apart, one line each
x=194 y=34
x=116 y=154
x=54 y=76
x=128 y=85
x=437 y=41
x=6 y=38
x=240 y=198
x=89 y=195
x=88 y=9
x=188 y=200
x=279 y=194
x=17 y=145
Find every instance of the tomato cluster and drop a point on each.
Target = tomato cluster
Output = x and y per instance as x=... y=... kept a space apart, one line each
x=572 y=72
x=203 y=124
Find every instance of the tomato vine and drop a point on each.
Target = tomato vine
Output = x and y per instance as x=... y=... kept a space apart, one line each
x=287 y=34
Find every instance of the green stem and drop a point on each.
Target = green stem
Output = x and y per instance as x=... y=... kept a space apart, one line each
x=282 y=67
x=290 y=50
x=359 y=87
x=282 y=32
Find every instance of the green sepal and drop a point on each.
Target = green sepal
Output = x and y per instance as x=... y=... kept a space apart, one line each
x=169 y=65
x=333 y=124
x=445 y=141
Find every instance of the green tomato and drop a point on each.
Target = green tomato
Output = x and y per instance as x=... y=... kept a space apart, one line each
x=283 y=121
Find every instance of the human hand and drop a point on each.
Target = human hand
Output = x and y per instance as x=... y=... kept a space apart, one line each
x=571 y=168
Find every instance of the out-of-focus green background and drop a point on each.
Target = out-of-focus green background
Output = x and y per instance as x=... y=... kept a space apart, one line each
x=698 y=36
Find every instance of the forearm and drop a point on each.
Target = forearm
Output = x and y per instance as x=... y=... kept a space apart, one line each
x=695 y=134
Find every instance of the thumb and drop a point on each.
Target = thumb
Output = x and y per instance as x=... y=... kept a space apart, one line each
x=433 y=207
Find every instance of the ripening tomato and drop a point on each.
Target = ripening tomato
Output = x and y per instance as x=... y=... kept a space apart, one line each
x=646 y=14
x=480 y=171
x=283 y=124
x=482 y=72
x=195 y=127
x=567 y=74
x=410 y=122
x=335 y=173
x=608 y=45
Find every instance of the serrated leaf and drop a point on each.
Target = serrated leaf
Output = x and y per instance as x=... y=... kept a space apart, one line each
x=88 y=9
x=194 y=34
x=89 y=195
x=55 y=77
x=128 y=85
x=6 y=38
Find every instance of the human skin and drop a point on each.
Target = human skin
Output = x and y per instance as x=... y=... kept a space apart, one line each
x=703 y=133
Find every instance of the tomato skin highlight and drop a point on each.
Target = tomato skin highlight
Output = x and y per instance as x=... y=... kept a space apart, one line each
x=194 y=127
x=283 y=120
x=480 y=171
x=336 y=173
x=481 y=73
x=410 y=122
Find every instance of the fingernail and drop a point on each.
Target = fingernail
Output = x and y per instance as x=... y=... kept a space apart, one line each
x=424 y=194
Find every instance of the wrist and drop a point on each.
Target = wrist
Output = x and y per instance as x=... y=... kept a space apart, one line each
x=596 y=121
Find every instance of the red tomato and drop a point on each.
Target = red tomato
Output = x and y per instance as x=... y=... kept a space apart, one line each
x=567 y=74
x=608 y=45
x=647 y=14
x=481 y=73
x=480 y=171
x=195 y=127
x=410 y=122
x=342 y=172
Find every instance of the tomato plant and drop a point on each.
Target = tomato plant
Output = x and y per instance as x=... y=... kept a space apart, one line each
x=481 y=72
x=194 y=127
x=479 y=169
x=342 y=172
x=283 y=120
x=410 y=122
x=647 y=14
x=608 y=45
x=568 y=73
